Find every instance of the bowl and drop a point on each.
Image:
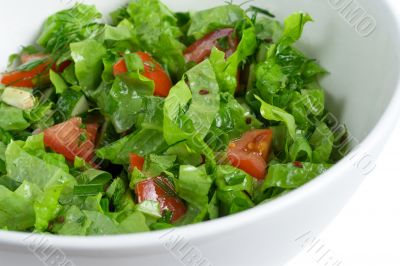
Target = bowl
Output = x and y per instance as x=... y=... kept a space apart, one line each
x=357 y=41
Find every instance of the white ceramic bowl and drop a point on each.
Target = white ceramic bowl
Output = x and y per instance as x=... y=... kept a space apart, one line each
x=357 y=42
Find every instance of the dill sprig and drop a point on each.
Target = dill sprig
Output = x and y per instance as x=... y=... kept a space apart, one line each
x=65 y=27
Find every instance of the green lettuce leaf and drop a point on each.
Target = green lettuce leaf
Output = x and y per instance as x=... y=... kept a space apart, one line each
x=2 y=158
x=5 y=136
x=234 y=188
x=75 y=222
x=209 y=20
x=190 y=110
x=53 y=182
x=124 y=31
x=58 y=82
x=67 y=26
x=159 y=35
x=291 y=176
x=119 y=196
x=300 y=150
x=12 y=118
x=143 y=142
x=184 y=154
x=274 y=113
x=45 y=202
x=229 y=178
x=268 y=29
x=16 y=212
x=233 y=201
x=100 y=224
x=322 y=143
x=134 y=223
x=194 y=185
x=204 y=106
x=147 y=139
x=88 y=55
x=174 y=118
x=226 y=70
x=232 y=120
x=154 y=164
x=182 y=119
x=123 y=100
x=293 y=28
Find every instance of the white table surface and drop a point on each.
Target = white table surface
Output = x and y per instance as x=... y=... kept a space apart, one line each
x=367 y=231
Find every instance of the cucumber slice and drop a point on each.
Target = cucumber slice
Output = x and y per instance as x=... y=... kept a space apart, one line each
x=17 y=97
x=82 y=106
x=71 y=103
x=107 y=134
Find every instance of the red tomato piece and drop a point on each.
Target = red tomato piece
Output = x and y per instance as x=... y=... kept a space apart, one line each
x=37 y=75
x=61 y=67
x=91 y=129
x=136 y=161
x=120 y=67
x=202 y=48
x=152 y=70
x=72 y=138
x=28 y=78
x=155 y=189
x=250 y=152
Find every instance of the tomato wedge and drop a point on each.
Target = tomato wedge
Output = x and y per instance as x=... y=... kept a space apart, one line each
x=161 y=190
x=136 y=161
x=202 y=48
x=35 y=76
x=72 y=138
x=120 y=67
x=152 y=70
x=250 y=152
x=25 y=78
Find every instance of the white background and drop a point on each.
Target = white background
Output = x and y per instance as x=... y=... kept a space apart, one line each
x=367 y=231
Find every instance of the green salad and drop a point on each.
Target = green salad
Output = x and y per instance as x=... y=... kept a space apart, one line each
x=158 y=119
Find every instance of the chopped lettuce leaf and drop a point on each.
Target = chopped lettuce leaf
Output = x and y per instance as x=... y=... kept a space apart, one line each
x=144 y=141
x=322 y=143
x=294 y=26
x=16 y=212
x=159 y=35
x=52 y=181
x=123 y=101
x=292 y=175
x=67 y=26
x=209 y=20
x=88 y=55
x=274 y=113
x=154 y=164
x=58 y=82
x=227 y=70
x=232 y=120
x=182 y=121
x=12 y=118
x=193 y=185
x=229 y=178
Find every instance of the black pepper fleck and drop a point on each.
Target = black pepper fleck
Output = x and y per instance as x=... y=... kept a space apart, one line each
x=204 y=92
x=248 y=120
x=60 y=219
x=298 y=164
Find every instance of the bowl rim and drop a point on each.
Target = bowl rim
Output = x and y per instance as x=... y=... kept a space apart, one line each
x=139 y=242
